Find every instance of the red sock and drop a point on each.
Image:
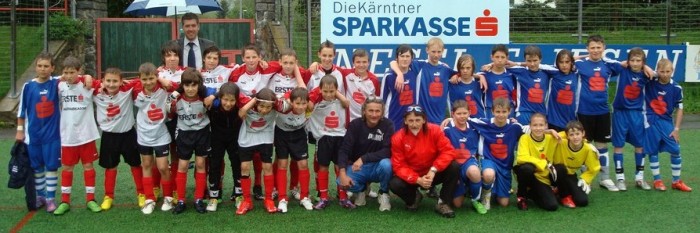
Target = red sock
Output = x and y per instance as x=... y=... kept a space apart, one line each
x=304 y=183
x=155 y=174
x=148 y=188
x=200 y=183
x=293 y=174
x=245 y=185
x=281 y=183
x=89 y=179
x=173 y=177
x=257 y=168
x=66 y=185
x=342 y=195
x=110 y=181
x=322 y=184
x=269 y=185
x=167 y=187
x=181 y=181
x=137 y=173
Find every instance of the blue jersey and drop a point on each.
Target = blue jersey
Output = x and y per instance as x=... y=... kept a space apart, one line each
x=592 y=93
x=465 y=142
x=471 y=93
x=40 y=109
x=432 y=88
x=497 y=144
x=663 y=99
x=560 y=107
x=397 y=102
x=531 y=89
x=629 y=93
x=499 y=85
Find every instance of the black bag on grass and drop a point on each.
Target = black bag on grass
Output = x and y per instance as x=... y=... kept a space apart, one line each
x=19 y=166
x=21 y=173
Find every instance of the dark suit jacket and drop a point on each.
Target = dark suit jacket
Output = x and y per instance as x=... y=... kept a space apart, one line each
x=203 y=45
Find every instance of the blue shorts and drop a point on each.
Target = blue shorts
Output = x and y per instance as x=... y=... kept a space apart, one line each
x=658 y=139
x=45 y=155
x=463 y=182
x=628 y=126
x=502 y=184
x=523 y=117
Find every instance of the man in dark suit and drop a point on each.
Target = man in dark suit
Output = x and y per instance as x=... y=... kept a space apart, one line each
x=191 y=45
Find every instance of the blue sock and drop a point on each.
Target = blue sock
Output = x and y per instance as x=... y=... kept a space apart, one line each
x=619 y=166
x=40 y=183
x=51 y=183
x=639 y=162
x=475 y=190
x=603 y=157
x=676 y=167
x=654 y=166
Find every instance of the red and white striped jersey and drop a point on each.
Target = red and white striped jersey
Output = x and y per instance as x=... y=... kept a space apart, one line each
x=151 y=116
x=174 y=76
x=115 y=113
x=77 y=114
x=359 y=89
x=191 y=114
x=315 y=79
x=328 y=117
x=252 y=82
x=257 y=129
x=218 y=76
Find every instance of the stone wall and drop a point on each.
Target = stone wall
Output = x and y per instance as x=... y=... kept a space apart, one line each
x=264 y=16
x=90 y=11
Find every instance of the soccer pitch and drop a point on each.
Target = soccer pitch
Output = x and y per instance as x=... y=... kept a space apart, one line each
x=635 y=210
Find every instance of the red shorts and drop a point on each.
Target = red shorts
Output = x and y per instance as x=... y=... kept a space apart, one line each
x=87 y=153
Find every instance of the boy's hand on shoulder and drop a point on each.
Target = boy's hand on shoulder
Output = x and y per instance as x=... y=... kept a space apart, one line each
x=208 y=101
x=486 y=67
x=88 y=81
x=398 y=84
x=263 y=64
x=482 y=81
x=454 y=79
x=313 y=67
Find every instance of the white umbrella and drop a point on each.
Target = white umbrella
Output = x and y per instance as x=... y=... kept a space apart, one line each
x=171 y=7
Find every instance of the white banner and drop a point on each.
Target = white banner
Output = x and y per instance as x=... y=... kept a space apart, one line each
x=692 y=64
x=415 y=21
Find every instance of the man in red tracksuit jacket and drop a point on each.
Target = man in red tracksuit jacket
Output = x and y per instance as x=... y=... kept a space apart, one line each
x=421 y=156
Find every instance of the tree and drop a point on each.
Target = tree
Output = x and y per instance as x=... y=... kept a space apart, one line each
x=225 y=8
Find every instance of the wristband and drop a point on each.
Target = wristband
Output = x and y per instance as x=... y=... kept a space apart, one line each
x=433 y=169
x=20 y=128
x=676 y=129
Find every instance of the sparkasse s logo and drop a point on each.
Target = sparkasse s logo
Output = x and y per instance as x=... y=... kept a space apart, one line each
x=486 y=25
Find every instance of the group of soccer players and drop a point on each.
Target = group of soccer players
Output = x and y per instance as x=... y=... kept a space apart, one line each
x=524 y=117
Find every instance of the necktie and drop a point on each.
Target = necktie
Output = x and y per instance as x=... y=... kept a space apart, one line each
x=191 y=61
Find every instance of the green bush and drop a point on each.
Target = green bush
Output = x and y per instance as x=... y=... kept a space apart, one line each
x=62 y=27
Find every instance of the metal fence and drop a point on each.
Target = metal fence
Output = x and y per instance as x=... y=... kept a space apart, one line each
x=25 y=39
x=619 y=21
x=545 y=21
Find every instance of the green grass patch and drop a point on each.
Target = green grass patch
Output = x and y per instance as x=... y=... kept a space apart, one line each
x=632 y=211
x=29 y=43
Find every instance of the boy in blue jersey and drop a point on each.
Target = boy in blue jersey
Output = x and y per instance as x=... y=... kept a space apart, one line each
x=38 y=122
x=398 y=100
x=663 y=95
x=532 y=85
x=628 y=118
x=467 y=88
x=500 y=82
x=592 y=106
x=497 y=144
x=464 y=139
x=563 y=83
x=433 y=78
